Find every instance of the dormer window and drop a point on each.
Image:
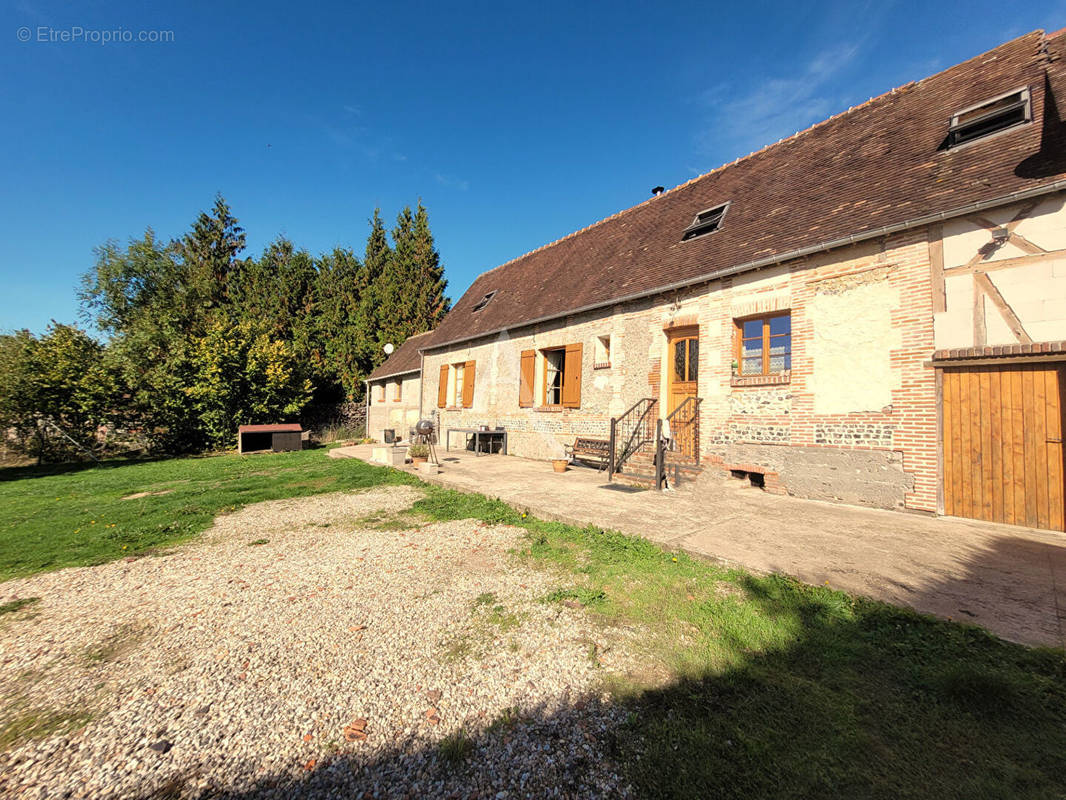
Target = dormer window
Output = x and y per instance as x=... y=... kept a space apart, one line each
x=484 y=301
x=705 y=222
x=991 y=116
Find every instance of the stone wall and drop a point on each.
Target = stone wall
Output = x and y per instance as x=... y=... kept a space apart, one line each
x=849 y=475
x=388 y=412
x=854 y=419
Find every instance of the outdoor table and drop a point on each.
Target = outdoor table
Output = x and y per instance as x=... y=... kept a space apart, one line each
x=478 y=434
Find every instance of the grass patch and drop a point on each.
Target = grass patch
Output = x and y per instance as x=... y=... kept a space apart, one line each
x=258 y=542
x=74 y=515
x=23 y=726
x=18 y=605
x=458 y=648
x=397 y=521
x=116 y=645
x=455 y=748
x=773 y=688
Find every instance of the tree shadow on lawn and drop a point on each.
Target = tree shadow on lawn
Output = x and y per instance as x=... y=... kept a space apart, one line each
x=815 y=694
x=66 y=468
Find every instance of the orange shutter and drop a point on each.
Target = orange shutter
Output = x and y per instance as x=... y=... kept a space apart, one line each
x=468 y=384
x=525 y=387
x=442 y=388
x=572 y=376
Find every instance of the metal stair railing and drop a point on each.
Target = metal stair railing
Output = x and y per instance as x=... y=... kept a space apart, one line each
x=631 y=432
x=684 y=426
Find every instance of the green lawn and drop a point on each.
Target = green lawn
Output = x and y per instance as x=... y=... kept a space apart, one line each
x=754 y=687
x=70 y=516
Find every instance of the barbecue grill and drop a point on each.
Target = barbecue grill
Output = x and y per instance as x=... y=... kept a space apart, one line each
x=425 y=432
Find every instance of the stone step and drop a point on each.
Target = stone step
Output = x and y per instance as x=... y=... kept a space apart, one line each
x=647 y=465
x=671 y=458
x=645 y=476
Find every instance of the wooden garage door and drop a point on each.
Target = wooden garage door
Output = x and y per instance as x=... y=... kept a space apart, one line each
x=1002 y=437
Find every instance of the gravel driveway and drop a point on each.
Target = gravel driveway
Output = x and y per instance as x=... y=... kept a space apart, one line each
x=335 y=659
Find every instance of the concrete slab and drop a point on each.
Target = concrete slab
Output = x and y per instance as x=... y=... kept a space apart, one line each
x=1010 y=580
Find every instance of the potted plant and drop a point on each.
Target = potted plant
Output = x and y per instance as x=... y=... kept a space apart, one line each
x=560 y=464
x=419 y=453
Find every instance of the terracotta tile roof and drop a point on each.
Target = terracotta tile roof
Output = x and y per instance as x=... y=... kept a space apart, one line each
x=878 y=165
x=404 y=359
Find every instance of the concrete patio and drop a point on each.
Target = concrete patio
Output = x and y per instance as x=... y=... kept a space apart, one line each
x=1007 y=579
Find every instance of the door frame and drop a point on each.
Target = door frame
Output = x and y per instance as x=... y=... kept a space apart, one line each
x=680 y=332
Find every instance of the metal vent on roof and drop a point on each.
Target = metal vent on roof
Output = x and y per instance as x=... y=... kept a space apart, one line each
x=991 y=116
x=705 y=222
x=484 y=301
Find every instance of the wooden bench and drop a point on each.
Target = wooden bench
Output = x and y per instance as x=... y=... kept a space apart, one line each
x=595 y=452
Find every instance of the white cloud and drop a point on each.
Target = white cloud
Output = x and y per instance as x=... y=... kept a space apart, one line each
x=452 y=183
x=750 y=118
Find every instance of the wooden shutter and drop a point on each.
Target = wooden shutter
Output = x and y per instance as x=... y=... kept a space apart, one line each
x=525 y=387
x=468 y=384
x=442 y=388
x=572 y=376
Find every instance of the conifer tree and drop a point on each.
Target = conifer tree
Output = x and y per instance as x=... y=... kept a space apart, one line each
x=412 y=286
x=209 y=253
x=375 y=301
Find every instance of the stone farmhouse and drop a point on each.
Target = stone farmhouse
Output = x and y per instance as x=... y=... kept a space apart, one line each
x=871 y=311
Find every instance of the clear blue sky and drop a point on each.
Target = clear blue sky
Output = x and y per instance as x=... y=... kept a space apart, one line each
x=516 y=123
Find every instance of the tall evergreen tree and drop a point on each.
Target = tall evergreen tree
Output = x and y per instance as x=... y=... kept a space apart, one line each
x=340 y=290
x=412 y=286
x=432 y=303
x=209 y=252
x=375 y=302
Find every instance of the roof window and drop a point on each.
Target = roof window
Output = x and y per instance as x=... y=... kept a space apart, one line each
x=991 y=116
x=705 y=222
x=484 y=301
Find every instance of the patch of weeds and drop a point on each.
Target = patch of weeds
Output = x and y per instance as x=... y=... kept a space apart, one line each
x=38 y=724
x=458 y=649
x=507 y=719
x=17 y=605
x=496 y=613
x=503 y=619
x=401 y=521
x=582 y=594
x=258 y=542
x=113 y=647
x=456 y=747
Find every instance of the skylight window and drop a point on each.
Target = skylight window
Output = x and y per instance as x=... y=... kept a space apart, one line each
x=991 y=116
x=484 y=301
x=705 y=222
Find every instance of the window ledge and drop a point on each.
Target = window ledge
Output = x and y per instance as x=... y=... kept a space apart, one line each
x=548 y=409
x=780 y=379
x=605 y=365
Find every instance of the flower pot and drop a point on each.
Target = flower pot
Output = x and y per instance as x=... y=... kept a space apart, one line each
x=416 y=460
x=560 y=464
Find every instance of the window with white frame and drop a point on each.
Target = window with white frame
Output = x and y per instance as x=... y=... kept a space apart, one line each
x=554 y=369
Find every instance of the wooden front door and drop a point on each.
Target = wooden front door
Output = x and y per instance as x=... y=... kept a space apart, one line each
x=682 y=384
x=1002 y=441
